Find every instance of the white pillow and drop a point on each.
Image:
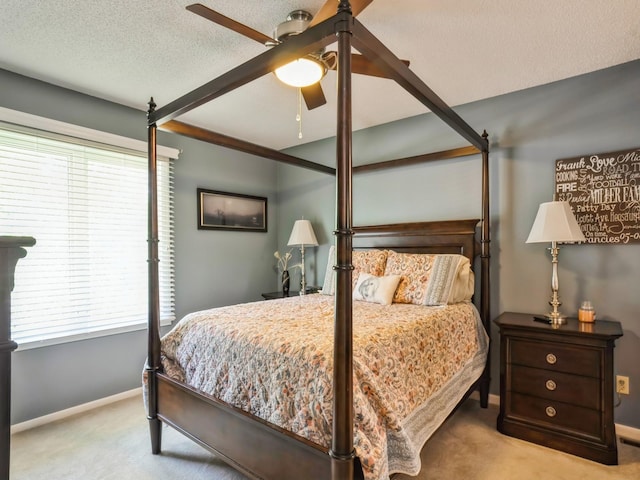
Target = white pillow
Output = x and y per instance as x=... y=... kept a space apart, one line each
x=329 y=285
x=370 y=288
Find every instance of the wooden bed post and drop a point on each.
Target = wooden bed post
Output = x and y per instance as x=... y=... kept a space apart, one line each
x=342 y=452
x=485 y=255
x=153 y=355
x=238 y=437
x=10 y=252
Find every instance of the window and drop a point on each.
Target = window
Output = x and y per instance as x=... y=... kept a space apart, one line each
x=85 y=203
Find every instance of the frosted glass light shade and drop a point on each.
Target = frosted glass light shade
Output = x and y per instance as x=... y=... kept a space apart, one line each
x=302 y=234
x=300 y=73
x=555 y=222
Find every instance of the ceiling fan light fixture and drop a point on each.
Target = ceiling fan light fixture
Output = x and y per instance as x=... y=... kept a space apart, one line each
x=297 y=22
x=301 y=72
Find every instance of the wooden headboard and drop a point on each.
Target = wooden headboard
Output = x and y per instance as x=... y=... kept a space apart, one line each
x=449 y=236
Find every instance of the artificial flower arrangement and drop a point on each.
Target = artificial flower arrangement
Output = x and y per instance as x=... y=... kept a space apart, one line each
x=283 y=261
x=283 y=266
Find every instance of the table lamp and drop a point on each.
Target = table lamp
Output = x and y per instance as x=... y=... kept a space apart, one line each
x=555 y=223
x=302 y=235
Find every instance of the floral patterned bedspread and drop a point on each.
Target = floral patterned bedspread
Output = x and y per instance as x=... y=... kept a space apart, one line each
x=274 y=359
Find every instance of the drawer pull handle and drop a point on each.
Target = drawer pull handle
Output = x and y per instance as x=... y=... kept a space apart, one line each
x=551 y=358
x=551 y=385
x=550 y=411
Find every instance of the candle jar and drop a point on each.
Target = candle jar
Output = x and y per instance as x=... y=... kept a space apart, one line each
x=586 y=313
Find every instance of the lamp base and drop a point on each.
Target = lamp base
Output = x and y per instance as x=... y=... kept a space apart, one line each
x=556 y=318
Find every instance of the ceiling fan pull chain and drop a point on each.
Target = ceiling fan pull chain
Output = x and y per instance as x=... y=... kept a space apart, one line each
x=299 y=114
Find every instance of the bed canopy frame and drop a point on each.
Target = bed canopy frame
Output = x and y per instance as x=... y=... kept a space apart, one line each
x=251 y=444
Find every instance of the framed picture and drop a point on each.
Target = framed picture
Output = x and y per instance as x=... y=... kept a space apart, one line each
x=231 y=211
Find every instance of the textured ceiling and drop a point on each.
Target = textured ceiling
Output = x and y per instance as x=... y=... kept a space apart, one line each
x=465 y=50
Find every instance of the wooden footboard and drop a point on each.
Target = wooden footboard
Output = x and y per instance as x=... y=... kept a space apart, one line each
x=254 y=447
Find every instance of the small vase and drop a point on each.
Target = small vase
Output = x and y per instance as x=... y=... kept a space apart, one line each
x=285 y=282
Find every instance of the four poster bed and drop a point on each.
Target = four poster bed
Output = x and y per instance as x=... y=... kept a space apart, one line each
x=357 y=387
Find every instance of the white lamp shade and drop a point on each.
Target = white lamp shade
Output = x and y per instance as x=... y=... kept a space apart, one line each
x=302 y=234
x=555 y=222
x=300 y=73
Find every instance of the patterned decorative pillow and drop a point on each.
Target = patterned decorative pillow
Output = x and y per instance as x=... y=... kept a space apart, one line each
x=364 y=261
x=431 y=279
x=372 y=262
x=370 y=288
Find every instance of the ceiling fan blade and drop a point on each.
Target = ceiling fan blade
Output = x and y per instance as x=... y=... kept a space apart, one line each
x=361 y=65
x=220 y=19
x=330 y=8
x=313 y=96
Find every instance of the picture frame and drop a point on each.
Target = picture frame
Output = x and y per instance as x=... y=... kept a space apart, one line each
x=231 y=211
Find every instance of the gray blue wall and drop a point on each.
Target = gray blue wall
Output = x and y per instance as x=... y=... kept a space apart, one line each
x=54 y=378
x=528 y=130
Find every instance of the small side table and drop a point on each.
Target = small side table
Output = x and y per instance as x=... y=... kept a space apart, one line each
x=292 y=293
x=280 y=294
x=556 y=384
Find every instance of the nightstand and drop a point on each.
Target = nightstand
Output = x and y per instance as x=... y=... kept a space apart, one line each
x=280 y=294
x=292 y=293
x=556 y=384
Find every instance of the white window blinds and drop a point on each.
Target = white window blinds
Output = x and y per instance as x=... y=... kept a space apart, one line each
x=86 y=205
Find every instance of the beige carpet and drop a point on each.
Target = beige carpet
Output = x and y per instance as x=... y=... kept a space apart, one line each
x=113 y=443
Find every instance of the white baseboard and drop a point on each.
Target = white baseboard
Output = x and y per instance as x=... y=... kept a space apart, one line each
x=628 y=433
x=85 y=407
x=622 y=431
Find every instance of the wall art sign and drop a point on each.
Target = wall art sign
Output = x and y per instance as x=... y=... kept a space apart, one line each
x=603 y=190
x=231 y=211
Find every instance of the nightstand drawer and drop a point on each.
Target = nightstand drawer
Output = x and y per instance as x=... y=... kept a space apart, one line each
x=556 y=357
x=556 y=415
x=556 y=386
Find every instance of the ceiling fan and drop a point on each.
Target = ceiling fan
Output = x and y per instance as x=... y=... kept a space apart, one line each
x=296 y=22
